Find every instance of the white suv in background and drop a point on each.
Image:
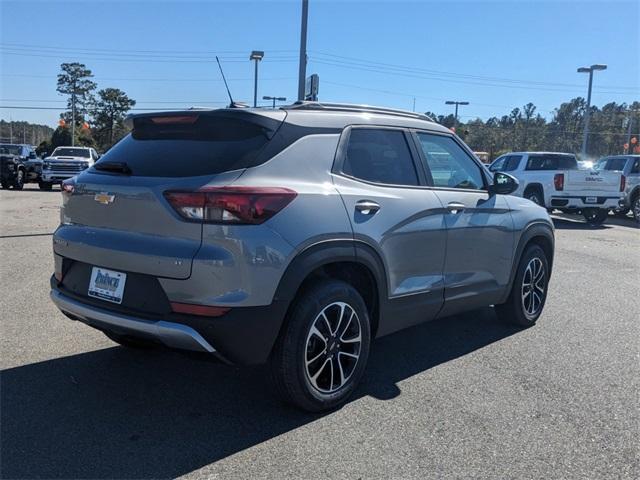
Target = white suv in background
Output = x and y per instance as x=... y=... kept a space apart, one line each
x=553 y=180
x=64 y=163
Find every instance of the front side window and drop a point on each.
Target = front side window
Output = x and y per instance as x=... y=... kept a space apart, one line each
x=498 y=165
x=512 y=163
x=380 y=156
x=449 y=164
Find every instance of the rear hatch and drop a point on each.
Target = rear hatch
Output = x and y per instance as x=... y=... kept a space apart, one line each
x=118 y=216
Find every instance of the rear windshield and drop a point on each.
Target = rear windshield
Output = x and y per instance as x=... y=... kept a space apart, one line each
x=71 y=152
x=191 y=145
x=552 y=162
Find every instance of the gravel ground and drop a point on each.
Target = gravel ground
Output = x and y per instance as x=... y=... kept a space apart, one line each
x=461 y=397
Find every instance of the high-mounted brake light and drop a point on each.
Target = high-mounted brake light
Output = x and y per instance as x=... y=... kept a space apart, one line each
x=230 y=205
x=175 y=120
x=623 y=183
x=558 y=181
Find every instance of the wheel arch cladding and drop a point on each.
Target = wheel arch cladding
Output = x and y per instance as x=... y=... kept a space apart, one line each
x=540 y=234
x=349 y=261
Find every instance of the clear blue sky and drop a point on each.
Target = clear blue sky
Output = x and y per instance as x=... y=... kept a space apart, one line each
x=496 y=55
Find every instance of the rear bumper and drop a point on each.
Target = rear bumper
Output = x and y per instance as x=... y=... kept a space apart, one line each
x=173 y=335
x=580 y=202
x=243 y=336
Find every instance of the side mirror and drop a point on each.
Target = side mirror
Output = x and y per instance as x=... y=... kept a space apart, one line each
x=503 y=184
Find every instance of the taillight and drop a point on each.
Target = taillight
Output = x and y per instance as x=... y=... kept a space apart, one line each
x=558 y=181
x=230 y=205
x=623 y=183
x=68 y=186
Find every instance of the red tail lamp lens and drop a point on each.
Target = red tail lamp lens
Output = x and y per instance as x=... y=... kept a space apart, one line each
x=558 y=181
x=231 y=205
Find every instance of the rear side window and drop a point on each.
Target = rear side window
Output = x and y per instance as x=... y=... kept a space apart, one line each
x=552 y=162
x=380 y=156
x=616 y=164
x=191 y=145
x=636 y=166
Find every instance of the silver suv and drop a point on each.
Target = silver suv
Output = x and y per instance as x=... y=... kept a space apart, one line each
x=293 y=236
x=629 y=165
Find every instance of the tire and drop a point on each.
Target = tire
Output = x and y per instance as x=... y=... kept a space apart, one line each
x=535 y=195
x=526 y=300
x=18 y=184
x=595 y=216
x=635 y=208
x=130 y=342
x=303 y=372
x=46 y=186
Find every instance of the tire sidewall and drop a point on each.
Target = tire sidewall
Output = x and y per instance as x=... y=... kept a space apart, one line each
x=535 y=194
x=532 y=252
x=299 y=323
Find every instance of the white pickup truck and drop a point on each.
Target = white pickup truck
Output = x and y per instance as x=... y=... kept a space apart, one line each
x=553 y=180
x=65 y=162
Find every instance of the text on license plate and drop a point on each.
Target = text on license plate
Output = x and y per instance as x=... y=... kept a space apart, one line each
x=591 y=200
x=107 y=284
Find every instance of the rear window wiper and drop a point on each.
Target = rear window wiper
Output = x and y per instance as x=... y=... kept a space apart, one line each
x=113 y=167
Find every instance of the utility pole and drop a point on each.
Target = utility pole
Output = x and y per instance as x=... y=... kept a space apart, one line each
x=414 y=104
x=302 y=68
x=73 y=115
x=456 y=103
x=10 y=130
x=587 y=112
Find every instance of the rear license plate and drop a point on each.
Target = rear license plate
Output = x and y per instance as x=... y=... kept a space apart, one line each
x=591 y=200
x=107 y=284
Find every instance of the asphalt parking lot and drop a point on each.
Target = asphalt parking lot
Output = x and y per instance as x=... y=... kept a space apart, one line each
x=461 y=397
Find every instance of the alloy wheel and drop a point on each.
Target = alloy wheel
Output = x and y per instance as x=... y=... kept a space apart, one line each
x=332 y=348
x=533 y=287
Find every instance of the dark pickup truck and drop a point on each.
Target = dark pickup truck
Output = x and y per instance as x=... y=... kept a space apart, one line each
x=19 y=164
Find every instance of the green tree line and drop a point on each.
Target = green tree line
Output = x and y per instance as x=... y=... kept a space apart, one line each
x=24 y=132
x=526 y=130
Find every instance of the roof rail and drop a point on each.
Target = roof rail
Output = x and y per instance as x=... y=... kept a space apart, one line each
x=352 y=107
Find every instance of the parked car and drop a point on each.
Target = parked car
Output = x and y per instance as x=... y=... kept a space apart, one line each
x=553 y=180
x=64 y=163
x=293 y=236
x=20 y=165
x=629 y=166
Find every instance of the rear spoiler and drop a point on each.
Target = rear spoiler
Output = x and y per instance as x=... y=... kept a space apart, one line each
x=264 y=118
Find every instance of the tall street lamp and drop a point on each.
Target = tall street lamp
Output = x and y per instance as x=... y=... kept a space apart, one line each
x=256 y=56
x=456 y=103
x=589 y=70
x=279 y=99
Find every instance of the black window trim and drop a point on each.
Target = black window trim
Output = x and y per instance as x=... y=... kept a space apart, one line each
x=467 y=150
x=343 y=144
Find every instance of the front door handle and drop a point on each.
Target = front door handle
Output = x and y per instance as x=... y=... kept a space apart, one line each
x=455 y=207
x=367 y=207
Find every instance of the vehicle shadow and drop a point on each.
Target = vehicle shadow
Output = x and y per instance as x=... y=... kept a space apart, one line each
x=116 y=413
x=573 y=222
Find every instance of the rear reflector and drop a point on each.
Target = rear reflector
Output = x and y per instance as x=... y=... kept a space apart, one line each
x=623 y=183
x=558 y=181
x=230 y=205
x=201 y=310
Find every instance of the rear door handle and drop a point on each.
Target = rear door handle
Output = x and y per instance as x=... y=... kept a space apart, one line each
x=455 y=207
x=367 y=207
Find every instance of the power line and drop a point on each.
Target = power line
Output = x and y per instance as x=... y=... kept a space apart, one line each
x=411 y=69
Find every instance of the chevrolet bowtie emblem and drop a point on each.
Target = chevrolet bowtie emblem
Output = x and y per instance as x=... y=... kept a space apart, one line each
x=104 y=198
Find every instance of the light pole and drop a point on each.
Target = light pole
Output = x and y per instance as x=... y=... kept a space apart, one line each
x=256 y=56
x=279 y=99
x=589 y=70
x=302 y=66
x=456 y=103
